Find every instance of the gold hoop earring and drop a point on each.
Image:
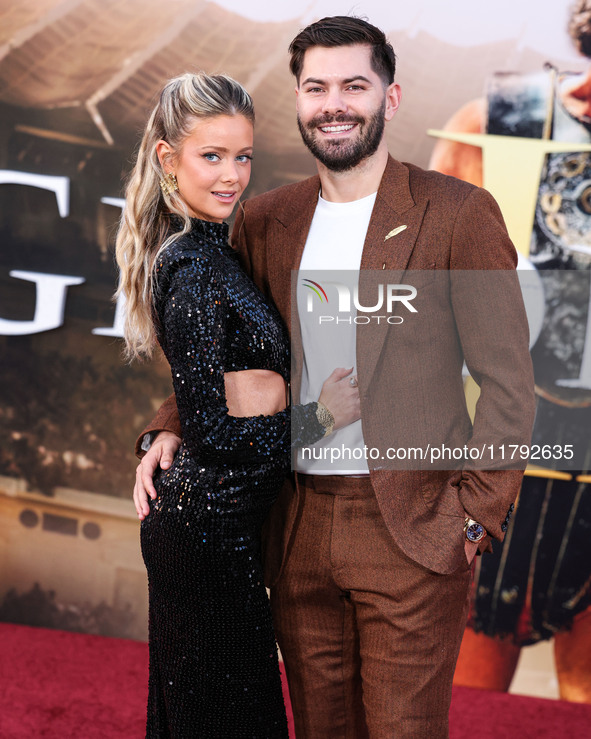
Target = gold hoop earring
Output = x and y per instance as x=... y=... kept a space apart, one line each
x=169 y=184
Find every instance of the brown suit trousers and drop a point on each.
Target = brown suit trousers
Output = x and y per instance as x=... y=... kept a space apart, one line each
x=369 y=637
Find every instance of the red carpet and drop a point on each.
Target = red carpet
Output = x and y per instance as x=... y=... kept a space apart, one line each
x=59 y=684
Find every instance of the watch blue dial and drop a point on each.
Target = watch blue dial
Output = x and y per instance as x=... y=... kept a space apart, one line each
x=474 y=531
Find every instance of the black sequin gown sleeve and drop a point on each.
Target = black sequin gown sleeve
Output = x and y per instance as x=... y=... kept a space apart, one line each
x=213 y=659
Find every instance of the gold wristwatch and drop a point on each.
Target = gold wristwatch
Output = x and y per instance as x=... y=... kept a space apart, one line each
x=325 y=418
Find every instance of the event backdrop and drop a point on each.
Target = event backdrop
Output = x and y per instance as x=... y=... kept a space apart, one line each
x=77 y=79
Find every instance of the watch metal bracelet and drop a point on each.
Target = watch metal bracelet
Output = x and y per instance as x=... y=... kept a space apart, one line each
x=325 y=418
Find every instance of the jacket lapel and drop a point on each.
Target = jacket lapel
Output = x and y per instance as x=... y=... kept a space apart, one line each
x=394 y=226
x=287 y=231
x=393 y=230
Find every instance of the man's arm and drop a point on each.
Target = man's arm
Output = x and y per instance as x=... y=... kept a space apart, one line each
x=493 y=330
x=166 y=419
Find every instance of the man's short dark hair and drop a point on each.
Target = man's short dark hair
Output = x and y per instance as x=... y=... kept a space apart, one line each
x=344 y=30
x=579 y=26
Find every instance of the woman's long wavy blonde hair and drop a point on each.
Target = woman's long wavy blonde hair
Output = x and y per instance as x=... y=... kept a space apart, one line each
x=145 y=226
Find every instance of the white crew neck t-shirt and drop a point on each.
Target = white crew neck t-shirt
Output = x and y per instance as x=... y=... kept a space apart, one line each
x=331 y=258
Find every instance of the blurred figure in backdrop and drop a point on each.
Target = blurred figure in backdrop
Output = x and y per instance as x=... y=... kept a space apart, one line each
x=538 y=584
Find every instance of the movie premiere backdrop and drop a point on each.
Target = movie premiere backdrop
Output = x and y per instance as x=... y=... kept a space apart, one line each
x=77 y=80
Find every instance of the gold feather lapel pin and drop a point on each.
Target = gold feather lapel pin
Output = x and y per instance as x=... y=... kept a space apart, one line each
x=395 y=231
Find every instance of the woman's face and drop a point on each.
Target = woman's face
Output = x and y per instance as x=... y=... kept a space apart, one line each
x=213 y=167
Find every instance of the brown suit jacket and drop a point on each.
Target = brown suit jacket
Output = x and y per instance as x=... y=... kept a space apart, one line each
x=450 y=225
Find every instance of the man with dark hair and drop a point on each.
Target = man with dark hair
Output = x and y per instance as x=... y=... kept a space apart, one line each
x=369 y=567
x=342 y=30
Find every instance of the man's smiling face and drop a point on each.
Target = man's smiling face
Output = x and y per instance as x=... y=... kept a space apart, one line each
x=342 y=105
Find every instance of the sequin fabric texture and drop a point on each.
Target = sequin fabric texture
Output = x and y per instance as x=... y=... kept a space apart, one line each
x=213 y=658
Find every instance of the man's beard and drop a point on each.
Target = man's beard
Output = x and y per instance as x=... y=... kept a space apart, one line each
x=340 y=155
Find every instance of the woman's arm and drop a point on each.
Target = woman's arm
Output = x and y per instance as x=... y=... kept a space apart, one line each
x=166 y=419
x=193 y=313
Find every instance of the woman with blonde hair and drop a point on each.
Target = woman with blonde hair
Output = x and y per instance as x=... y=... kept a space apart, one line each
x=213 y=659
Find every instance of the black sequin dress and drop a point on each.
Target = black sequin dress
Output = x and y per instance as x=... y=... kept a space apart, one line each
x=213 y=659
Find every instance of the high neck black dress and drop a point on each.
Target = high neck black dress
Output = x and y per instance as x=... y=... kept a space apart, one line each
x=213 y=658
